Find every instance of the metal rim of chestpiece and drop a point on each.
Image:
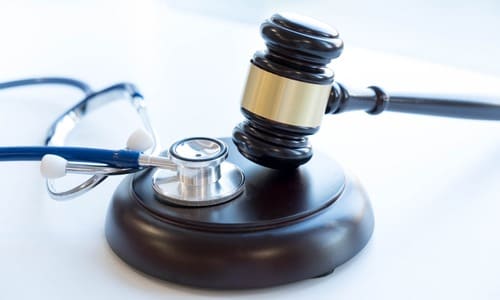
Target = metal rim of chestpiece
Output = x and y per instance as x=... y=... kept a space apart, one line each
x=202 y=177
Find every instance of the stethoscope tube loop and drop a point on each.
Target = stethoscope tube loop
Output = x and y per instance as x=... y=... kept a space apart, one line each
x=64 y=124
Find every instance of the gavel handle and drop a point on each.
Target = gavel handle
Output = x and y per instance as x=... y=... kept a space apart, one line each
x=374 y=100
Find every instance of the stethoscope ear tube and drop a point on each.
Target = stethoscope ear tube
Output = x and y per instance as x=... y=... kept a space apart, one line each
x=63 y=126
x=53 y=167
x=115 y=162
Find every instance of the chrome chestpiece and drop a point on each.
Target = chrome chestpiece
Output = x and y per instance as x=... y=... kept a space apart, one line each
x=201 y=176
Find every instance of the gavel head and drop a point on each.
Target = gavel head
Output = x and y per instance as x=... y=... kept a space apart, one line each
x=287 y=91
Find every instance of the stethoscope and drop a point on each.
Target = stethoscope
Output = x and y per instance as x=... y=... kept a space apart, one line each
x=293 y=214
x=192 y=172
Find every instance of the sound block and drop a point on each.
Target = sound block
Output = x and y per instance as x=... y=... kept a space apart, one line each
x=286 y=226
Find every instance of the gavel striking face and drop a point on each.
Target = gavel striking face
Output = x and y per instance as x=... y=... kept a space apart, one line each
x=287 y=91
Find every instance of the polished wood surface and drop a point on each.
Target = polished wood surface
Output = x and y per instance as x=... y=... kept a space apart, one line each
x=286 y=226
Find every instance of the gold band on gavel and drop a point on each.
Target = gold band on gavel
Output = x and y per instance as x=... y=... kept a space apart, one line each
x=285 y=100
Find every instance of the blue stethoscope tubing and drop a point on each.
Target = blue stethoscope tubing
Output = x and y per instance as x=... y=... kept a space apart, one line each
x=82 y=86
x=100 y=163
x=126 y=159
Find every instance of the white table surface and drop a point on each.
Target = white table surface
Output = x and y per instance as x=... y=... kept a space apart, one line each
x=433 y=182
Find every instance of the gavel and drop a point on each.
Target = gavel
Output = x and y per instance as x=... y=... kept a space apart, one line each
x=290 y=87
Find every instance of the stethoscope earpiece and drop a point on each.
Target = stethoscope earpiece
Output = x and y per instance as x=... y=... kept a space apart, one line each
x=140 y=140
x=53 y=166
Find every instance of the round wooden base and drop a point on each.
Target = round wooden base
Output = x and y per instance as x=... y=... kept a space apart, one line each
x=286 y=226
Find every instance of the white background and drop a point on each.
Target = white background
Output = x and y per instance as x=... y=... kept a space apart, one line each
x=433 y=182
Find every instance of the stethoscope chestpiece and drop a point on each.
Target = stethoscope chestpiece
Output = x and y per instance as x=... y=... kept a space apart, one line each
x=202 y=176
